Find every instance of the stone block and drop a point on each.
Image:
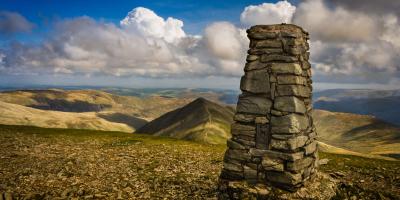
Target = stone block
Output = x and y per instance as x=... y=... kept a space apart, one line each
x=291 y=80
x=246 y=142
x=276 y=112
x=233 y=166
x=276 y=57
x=294 y=42
x=310 y=148
x=290 y=144
x=289 y=124
x=286 y=68
x=289 y=104
x=272 y=164
x=295 y=50
x=256 y=82
x=231 y=175
x=242 y=127
x=250 y=174
x=282 y=137
x=261 y=120
x=235 y=154
x=312 y=135
x=305 y=65
x=294 y=90
x=268 y=44
x=262 y=35
x=244 y=118
x=290 y=34
x=276 y=154
x=254 y=65
x=234 y=145
x=300 y=164
x=284 y=177
x=250 y=58
x=262 y=51
x=253 y=105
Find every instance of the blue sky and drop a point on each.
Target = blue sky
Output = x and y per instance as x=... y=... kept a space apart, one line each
x=49 y=42
x=195 y=14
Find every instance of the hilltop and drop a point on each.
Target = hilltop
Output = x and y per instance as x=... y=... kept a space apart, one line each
x=41 y=163
x=200 y=120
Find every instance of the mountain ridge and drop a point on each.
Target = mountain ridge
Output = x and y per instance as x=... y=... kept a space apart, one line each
x=201 y=120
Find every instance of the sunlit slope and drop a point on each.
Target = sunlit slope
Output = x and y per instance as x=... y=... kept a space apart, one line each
x=93 y=101
x=200 y=120
x=359 y=133
x=13 y=114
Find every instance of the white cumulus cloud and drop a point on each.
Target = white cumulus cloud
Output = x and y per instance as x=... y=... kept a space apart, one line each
x=268 y=13
x=144 y=44
x=148 y=23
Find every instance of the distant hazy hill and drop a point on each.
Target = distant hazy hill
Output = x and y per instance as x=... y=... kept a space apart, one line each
x=200 y=120
x=93 y=101
x=360 y=133
x=384 y=104
x=12 y=114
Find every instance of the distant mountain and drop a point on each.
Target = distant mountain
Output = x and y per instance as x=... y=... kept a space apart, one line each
x=200 y=120
x=384 y=104
x=355 y=94
x=359 y=133
x=13 y=114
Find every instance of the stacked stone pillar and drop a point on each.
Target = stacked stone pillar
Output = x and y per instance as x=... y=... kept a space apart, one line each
x=273 y=136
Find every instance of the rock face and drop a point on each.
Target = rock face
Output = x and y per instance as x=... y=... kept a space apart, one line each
x=273 y=136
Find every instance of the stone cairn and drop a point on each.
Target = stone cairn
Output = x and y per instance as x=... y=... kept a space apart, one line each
x=273 y=137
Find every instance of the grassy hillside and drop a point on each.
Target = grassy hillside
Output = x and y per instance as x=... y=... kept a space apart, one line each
x=93 y=101
x=200 y=120
x=67 y=163
x=359 y=133
x=13 y=114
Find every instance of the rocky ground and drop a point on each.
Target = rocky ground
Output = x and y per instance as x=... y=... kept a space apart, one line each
x=75 y=164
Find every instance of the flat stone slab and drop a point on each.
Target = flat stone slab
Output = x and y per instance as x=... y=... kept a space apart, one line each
x=320 y=187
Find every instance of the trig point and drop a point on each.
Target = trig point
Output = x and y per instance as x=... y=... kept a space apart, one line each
x=273 y=145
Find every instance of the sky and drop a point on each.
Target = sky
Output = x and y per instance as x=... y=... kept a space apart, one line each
x=354 y=44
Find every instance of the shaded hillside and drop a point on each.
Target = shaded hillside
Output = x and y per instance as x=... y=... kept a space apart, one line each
x=384 y=108
x=360 y=133
x=13 y=114
x=93 y=101
x=381 y=103
x=200 y=120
